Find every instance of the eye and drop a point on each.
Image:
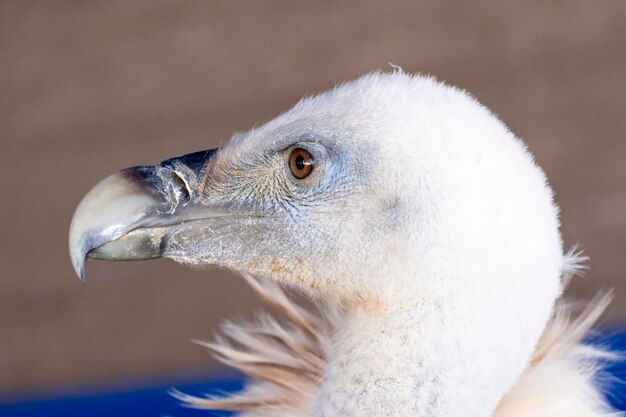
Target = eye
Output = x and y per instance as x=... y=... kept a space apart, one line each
x=301 y=163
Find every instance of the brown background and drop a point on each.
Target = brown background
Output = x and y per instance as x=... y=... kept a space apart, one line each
x=91 y=87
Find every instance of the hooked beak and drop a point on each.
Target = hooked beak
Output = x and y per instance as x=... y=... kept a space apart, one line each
x=126 y=215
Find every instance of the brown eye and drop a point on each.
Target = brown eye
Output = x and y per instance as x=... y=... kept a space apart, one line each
x=301 y=163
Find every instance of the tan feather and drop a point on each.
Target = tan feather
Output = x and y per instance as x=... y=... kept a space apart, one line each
x=285 y=361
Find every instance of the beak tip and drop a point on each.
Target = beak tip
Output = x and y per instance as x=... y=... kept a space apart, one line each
x=80 y=271
x=78 y=257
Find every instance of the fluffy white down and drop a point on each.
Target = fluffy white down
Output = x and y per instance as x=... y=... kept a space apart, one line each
x=285 y=360
x=444 y=276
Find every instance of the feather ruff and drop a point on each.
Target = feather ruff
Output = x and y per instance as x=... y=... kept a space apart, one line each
x=285 y=361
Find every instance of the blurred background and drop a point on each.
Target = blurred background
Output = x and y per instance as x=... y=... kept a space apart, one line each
x=89 y=87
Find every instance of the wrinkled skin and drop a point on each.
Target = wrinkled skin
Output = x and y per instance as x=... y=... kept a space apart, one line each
x=284 y=218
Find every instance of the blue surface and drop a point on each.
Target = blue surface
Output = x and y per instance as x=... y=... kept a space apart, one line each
x=615 y=373
x=155 y=400
x=148 y=401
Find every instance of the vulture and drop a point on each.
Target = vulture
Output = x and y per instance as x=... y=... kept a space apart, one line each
x=421 y=228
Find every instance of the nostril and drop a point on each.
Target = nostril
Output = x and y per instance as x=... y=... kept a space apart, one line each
x=180 y=185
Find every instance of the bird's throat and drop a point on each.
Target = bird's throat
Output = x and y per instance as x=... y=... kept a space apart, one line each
x=402 y=362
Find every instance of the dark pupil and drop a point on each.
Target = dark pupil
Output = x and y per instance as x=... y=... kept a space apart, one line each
x=300 y=164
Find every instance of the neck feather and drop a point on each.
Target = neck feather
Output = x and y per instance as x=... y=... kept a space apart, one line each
x=406 y=360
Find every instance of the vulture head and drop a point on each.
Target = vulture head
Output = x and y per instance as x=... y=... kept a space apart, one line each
x=396 y=197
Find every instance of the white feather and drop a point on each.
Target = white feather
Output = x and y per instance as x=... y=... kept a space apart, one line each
x=438 y=260
x=285 y=364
